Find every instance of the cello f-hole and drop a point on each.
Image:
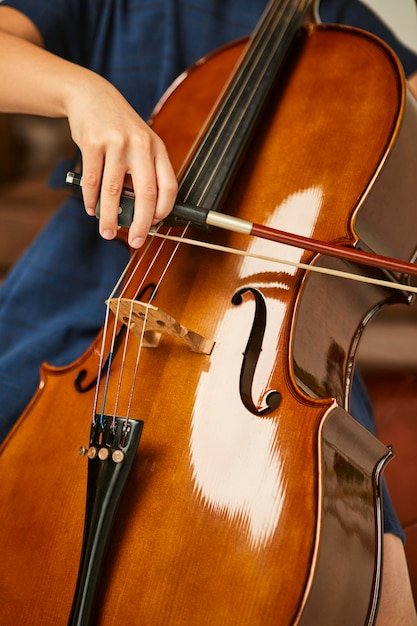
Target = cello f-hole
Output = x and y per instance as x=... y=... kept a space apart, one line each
x=251 y=355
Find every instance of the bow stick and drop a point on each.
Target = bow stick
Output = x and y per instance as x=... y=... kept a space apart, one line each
x=198 y=216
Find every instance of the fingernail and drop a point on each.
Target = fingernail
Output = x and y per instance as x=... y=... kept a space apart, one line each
x=108 y=234
x=137 y=242
x=91 y=211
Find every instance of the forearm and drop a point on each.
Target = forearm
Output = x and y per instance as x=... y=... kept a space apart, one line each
x=35 y=81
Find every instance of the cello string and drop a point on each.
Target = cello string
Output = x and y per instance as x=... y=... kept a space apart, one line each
x=305 y=266
x=104 y=335
x=125 y=344
x=140 y=346
x=106 y=328
x=128 y=323
x=129 y=320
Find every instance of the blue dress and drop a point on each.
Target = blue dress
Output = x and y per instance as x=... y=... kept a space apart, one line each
x=52 y=302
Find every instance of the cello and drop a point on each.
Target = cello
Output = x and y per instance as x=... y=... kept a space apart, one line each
x=249 y=475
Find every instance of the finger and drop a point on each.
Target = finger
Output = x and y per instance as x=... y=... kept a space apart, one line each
x=111 y=190
x=155 y=188
x=91 y=181
x=167 y=186
x=142 y=158
x=146 y=195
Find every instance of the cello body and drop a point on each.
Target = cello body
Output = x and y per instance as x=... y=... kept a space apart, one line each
x=235 y=511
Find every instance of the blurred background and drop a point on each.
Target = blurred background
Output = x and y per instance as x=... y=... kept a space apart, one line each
x=401 y=15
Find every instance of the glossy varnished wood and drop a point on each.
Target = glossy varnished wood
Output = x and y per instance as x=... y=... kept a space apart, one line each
x=223 y=519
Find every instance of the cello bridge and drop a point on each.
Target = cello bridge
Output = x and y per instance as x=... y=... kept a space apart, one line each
x=149 y=323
